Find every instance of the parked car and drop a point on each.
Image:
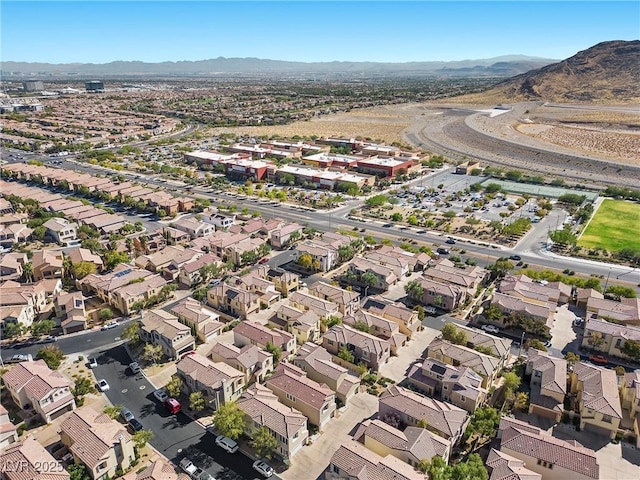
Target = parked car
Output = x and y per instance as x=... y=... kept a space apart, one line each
x=264 y=260
x=161 y=395
x=263 y=468
x=227 y=444
x=134 y=367
x=598 y=359
x=103 y=386
x=135 y=425
x=578 y=322
x=110 y=325
x=126 y=414
x=93 y=362
x=188 y=467
x=490 y=328
x=172 y=405
x=20 y=358
x=49 y=339
x=547 y=344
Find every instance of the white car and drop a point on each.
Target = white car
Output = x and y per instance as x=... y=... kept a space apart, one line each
x=110 y=325
x=134 y=367
x=93 y=362
x=490 y=329
x=103 y=385
x=263 y=468
x=227 y=444
x=161 y=395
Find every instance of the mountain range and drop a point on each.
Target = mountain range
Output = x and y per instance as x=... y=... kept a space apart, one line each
x=504 y=66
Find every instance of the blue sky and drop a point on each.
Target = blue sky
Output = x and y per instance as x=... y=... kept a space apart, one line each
x=155 y=31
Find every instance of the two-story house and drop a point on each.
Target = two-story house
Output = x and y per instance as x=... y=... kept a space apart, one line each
x=262 y=409
x=28 y=459
x=378 y=326
x=233 y=301
x=360 y=269
x=161 y=328
x=8 y=431
x=293 y=388
x=412 y=445
x=597 y=398
x=285 y=282
x=204 y=321
x=406 y=318
x=318 y=364
x=97 y=441
x=254 y=333
x=305 y=301
x=365 y=348
x=47 y=264
x=304 y=324
x=548 y=384
x=348 y=302
x=219 y=383
x=460 y=386
x=608 y=337
x=413 y=409
x=548 y=456
x=254 y=362
x=445 y=296
x=33 y=385
x=61 y=230
x=630 y=396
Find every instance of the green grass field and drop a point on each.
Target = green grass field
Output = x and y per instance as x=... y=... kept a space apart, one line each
x=615 y=225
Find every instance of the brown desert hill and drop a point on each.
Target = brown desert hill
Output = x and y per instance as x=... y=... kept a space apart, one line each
x=608 y=72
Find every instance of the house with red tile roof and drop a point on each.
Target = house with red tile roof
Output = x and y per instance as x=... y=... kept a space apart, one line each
x=546 y=455
x=413 y=409
x=218 y=382
x=97 y=441
x=548 y=384
x=288 y=425
x=33 y=384
x=254 y=333
x=30 y=460
x=597 y=398
x=159 y=469
x=366 y=348
x=505 y=467
x=205 y=321
x=354 y=461
x=253 y=361
x=293 y=388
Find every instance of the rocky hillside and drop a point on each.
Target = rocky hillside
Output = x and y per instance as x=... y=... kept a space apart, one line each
x=606 y=72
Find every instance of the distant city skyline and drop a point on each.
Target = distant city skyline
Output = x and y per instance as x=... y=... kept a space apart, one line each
x=308 y=31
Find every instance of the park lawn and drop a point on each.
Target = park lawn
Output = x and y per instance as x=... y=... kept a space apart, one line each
x=615 y=225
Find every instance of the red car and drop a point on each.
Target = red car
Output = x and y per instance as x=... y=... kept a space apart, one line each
x=264 y=260
x=598 y=359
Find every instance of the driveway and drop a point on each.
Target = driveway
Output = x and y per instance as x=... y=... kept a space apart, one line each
x=562 y=332
x=396 y=368
x=312 y=460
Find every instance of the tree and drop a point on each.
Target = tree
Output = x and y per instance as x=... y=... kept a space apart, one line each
x=572 y=358
x=39 y=233
x=113 y=411
x=141 y=438
x=105 y=314
x=596 y=340
x=196 y=401
x=451 y=333
x=345 y=253
x=174 y=387
x=229 y=420
x=78 y=471
x=537 y=344
x=472 y=468
x=421 y=312
x=376 y=201
x=263 y=442
x=275 y=351
x=369 y=280
x=396 y=217
x=82 y=269
x=437 y=469
x=484 y=422
x=27 y=272
x=631 y=348
x=152 y=353
x=621 y=291
x=414 y=289
x=345 y=354
x=42 y=327
x=522 y=401
x=305 y=261
x=132 y=333
x=511 y=383
x=52 y=356
x=113 y=258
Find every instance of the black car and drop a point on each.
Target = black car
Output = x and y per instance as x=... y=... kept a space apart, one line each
x=443 y=251
x=135 y=425
x=450 y=241
x=517 y=258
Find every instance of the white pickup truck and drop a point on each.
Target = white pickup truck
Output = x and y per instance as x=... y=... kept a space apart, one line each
x=188 y=467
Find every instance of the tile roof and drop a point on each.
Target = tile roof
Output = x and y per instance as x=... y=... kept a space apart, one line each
x=358 y=462
x=262 y=334
x=553 y=370
x=345 y=334
x=264 y=408
x=208 y=373
x=293 y=380
x=506 y=467
x=247 y=356
x=161 y=470
x=599 y=389
x=36 y=378
x=442 y=416
x=28 y=460
x=93 y=435
x=533 y=442
x=482 y=364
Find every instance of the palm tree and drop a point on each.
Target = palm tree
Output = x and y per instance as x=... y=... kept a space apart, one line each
x=369 y=280
x=27 y=272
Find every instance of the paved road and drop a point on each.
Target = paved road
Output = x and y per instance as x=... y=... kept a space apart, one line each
x=175 y=436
